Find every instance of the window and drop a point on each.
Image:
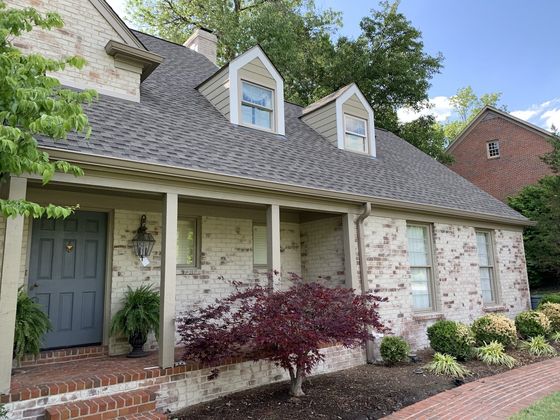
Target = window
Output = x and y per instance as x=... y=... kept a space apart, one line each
x=256 y=105
x=420 y=260
x=260 y=246
x=187 y=240
x=493 y=149
x=355 y=134
x=486 y=265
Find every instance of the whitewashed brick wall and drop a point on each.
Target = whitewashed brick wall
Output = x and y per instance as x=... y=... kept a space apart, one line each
x=85 y=34
x=322 y=251
x=23 y=263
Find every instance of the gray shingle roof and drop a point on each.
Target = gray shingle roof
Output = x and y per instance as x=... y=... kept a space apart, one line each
x=175 y=125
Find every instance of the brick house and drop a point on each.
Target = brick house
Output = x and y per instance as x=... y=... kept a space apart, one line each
x=234 y=182
x=500 y=153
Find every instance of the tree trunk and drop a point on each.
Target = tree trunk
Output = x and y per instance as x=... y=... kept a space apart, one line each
x=296 y=381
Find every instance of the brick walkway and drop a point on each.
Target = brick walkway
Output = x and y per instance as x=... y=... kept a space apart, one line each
x=494 y=397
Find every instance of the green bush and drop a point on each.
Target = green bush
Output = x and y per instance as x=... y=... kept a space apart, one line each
x=444 y=364
x=552 y=312
x=538 y=346
x=494 y=327
x=494 y=354
x=451 y=338
x=394 y=350
x=551 y=297
x=532 y=323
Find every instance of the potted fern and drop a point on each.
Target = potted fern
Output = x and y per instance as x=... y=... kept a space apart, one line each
x=137 y=318
x=31 y=324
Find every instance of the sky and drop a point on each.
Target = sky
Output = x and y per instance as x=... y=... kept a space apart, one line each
x=507 y=46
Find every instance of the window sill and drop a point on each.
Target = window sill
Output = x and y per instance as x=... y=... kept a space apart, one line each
x=495 y=308
x=427 y=316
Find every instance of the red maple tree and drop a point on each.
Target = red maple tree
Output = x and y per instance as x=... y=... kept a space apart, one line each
x=286 y=327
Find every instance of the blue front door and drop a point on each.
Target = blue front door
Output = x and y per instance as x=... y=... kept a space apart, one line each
x=67 y=276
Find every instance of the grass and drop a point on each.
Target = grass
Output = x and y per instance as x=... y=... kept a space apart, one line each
x=545 y=409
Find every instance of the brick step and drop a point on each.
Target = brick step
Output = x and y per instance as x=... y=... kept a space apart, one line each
x=152 y=415
x=48 y=357
x=106 y=407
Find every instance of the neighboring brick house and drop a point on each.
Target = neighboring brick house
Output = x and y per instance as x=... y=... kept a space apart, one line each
x=235 y=182
x=500 y=153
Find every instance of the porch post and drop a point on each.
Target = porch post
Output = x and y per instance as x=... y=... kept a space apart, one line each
x=167 y=282
x=350 y=264
x=9 y=279
x=273 y=243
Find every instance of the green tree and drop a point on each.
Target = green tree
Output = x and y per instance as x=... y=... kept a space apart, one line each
x=33 y=104
x=541 y=203
x=427 y=135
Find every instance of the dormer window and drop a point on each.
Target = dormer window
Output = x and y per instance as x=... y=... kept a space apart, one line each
x=355 y=134
x=257 y=105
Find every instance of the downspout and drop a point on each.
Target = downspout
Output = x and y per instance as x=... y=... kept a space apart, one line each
x=370 y=357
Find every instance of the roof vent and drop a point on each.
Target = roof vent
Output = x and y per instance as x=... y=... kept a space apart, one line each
x=204 y=42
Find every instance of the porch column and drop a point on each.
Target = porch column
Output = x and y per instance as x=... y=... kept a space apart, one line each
x=9 y=279
x=350 y=265
x=273 y=243
x=167 y=282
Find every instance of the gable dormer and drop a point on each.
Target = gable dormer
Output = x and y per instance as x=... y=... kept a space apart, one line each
x=248 y=91
x=345 y=119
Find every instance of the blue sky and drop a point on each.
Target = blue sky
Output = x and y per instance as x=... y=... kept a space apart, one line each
x=509 y=46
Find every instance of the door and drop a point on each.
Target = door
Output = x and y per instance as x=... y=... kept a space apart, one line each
x=67 y=276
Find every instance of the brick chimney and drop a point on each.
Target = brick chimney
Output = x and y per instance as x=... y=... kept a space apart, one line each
x=204 y=42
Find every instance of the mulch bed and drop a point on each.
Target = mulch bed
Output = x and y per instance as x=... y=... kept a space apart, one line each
x=364 y=392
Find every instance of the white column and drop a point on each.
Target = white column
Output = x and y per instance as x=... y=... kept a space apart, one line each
x=167 y=285
x=273 y=248
x=9 y=279
x=350 y=245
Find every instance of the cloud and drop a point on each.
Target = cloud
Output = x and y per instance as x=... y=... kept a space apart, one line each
x=544 y=114
x=438 y=106
x=551 y=118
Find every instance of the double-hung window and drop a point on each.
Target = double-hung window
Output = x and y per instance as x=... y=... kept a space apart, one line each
x=486 y=266
x=257 y=105
x=493 y=149
x=421 y=269
x=187 y=242
x=355 y=134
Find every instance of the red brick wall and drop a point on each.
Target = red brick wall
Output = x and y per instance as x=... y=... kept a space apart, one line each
x=519 y=163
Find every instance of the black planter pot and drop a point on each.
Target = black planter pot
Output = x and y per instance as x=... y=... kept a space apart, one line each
x=137 y=342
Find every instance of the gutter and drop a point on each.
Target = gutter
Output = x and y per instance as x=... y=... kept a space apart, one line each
x=370 y=356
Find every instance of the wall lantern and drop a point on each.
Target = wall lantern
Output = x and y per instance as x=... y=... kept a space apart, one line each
x=143 y=241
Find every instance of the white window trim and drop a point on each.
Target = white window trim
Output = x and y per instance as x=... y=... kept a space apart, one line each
x=197 y=243
x=365 y=137
x=272 y=110
x=494 y=283
x=488 y=149
x=434 y=305
x=265 y=265
x=234 y=89
x=353 y=90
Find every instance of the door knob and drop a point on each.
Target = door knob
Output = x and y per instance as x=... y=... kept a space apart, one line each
x=34 y=286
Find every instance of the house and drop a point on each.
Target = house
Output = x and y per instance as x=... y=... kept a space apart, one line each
x=234 y=182
x=500 y=153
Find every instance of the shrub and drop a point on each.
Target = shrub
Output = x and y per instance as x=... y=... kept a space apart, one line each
x=532 y=323
x=494 y=354
x=444 y=364
x=538 y=346
x=31 y=324
x=555 y=336
x=451 y=338
x=494 y=327
x=394 y=350
x=552 y=311
x=550 y=298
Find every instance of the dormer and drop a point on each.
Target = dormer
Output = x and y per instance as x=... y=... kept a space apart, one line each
x=345 y=119
x=248 y=91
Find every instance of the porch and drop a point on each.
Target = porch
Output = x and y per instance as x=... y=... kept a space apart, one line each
x=312 y=238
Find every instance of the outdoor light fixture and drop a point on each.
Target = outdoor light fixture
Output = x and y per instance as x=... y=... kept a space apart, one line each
x=143 y=241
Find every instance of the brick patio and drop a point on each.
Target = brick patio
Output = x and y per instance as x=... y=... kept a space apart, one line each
x=495 y=397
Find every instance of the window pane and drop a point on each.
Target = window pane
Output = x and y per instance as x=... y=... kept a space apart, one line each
x=260 y=256
x=256 y=116
x=355 y=125
x=257 y=95
x=186 y=237
x=420 y=288
x=355 y=143
x=482 y=243
x=418 y=245
x=486 y=285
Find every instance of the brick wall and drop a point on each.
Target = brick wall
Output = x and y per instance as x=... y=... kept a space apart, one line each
x=85 y=34
x=25 y=244
x=519 y=163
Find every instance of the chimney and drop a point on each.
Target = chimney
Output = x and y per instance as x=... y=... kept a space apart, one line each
x=204 y=42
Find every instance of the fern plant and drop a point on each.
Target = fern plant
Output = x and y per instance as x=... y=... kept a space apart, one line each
x=538 y=346
x=139 y=314
x=444 y=364
x=494 y=354
x=31 y=324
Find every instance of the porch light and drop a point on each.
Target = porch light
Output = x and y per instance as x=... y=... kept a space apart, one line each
x=143 y=241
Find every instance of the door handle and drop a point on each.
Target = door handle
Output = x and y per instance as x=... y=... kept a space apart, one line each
x=34 y=286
